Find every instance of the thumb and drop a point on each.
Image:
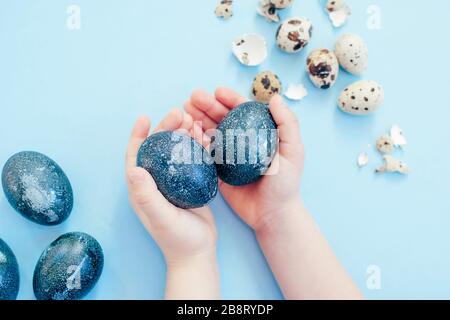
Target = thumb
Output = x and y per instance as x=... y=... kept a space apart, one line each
x=151 y=206
x=288 y=126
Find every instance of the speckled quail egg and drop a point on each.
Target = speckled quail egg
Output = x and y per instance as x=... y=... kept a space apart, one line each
x=294 y=34
x=352 y=53
x=385 y=145
x=323 y=68
x=361 y=98
x=265 y=86
x=281 y=4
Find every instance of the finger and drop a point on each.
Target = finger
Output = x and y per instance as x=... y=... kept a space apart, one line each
x=171 y=122
x=209 y=105
x=199 y=135
x=229 y=98
x=199 y=116
x=148 y=202
x=287 y=123
x=187 y=122
x=138 y=136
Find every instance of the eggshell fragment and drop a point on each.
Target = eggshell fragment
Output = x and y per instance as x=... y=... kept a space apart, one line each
x=338 y=12
x=294 y=34
x=265 y=85
x=363 y=159
x=224 y=9
x=323 y=68
x=352 y=53
x=250 y=49
x=385 y=145
x=392 y=165
x=268 y=10
x=361 y=98
x=296 y=92
x=397 y=137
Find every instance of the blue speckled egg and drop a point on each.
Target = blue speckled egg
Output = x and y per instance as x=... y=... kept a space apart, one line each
x=38 y=188
x=9 y=273
x=182 y=169
x=247 y=139
x=69 y=268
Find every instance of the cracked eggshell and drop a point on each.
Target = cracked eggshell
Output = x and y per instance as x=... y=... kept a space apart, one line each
x=282 y=4
x=294 y=34
x=224 y=9
x=296 y=92
x=363 y=159
x=361 y=98
x=352 y=53
x=397 y=136
x=250 y=49
x=392 y=165
x=265 y=86
x=385 y=145
x=268 y=10
x=323 y=68
x=338 y=13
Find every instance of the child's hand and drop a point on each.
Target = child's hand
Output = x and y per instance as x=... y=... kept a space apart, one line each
x=181 y=234
x=278 y=190
x=187 y=238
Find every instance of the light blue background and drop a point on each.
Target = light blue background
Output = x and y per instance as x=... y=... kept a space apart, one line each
x=74 y=96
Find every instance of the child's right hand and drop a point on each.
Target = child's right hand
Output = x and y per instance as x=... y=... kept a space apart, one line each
x=187 y=238
x=181 y=234
x=275 y=193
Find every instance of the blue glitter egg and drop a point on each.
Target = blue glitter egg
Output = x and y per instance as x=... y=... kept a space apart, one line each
x=182 y=169
x=9 y=273
x=38 y=188
x=69 y=268
x=245 y=144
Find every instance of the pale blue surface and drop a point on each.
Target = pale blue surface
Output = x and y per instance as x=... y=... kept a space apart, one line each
x=74 y=96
